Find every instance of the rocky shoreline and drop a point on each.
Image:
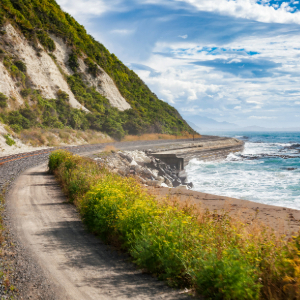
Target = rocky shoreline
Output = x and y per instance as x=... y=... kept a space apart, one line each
x=163 y=165
x=147 y=169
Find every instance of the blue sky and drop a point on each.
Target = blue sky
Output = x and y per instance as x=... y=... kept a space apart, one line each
x=230 y=60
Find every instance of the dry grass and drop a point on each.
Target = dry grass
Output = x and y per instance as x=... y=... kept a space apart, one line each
x=158 y=136
x=110 y=148
x=38 y=137
x=56 y=137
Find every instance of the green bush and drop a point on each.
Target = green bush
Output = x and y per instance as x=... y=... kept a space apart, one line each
x=25 y=93
x=16 y=128
x=21 y=66
x=57 y=158
x=46 y=41
x=9 y=141
x=3 y=101
x=92 y=67
x=73 y=62
x=230 y=277
x=219 y=256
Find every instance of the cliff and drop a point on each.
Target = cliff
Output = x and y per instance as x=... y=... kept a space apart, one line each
x=53 y=74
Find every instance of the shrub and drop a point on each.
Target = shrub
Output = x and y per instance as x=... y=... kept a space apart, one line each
x=9 y=141
x=25 y=93
x=16 y=118
x=21 y=66
x=220 y=256
x=16 y=128
x=93 y=68
x=73 y=62
x=3 y=101
x=57 y=158
x=46 y=41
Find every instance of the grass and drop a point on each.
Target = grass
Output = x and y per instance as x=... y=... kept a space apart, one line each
x=218 y=256
x=158 y=136
x=56 y=137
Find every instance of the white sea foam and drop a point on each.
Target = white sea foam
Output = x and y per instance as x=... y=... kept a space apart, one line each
x=269 y=180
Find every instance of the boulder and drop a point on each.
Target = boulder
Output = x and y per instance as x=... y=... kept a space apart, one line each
x=182 y=187
x=168 y=182
x=154 y=183
x=146 y=173
x=190 y=185
x=127 y=157
x=124 y=171
x=176 y=183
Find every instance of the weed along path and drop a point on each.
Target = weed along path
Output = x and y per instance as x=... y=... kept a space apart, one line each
x=77 y=264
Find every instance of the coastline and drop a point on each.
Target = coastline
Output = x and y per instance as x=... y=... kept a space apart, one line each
x=284 y=221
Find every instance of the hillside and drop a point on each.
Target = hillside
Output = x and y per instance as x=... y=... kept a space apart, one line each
x=55 y=75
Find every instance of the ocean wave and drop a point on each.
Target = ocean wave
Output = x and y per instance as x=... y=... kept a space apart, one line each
x=266 y=172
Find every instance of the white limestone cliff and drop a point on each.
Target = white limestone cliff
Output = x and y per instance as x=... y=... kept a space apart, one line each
x=47 y=74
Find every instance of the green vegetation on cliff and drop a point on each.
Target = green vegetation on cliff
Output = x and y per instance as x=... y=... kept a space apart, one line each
x=37 y=19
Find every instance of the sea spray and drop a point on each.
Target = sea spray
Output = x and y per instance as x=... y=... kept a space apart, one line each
x=267 y=171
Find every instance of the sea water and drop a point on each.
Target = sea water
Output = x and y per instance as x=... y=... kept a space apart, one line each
x=267 y=171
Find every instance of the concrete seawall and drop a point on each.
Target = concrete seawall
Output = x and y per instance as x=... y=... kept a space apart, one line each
x=210 y=148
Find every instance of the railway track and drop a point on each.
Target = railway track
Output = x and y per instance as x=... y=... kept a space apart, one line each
x=19 y=156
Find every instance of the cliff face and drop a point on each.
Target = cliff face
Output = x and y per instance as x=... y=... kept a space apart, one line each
x=53 y=74
x=47 y=73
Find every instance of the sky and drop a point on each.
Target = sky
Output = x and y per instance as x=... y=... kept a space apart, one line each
x=230 y=60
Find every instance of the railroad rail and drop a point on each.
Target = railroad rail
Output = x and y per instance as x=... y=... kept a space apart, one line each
x=14 y=157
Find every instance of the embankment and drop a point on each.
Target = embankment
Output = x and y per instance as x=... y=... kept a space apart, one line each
x=210 y=148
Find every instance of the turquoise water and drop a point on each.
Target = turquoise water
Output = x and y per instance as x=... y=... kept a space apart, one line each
x=267 y=171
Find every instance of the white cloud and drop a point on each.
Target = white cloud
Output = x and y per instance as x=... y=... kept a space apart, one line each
x=183 y=36
x=248 y=9
x=80 y=8
x=261 y=118
x=122 y=31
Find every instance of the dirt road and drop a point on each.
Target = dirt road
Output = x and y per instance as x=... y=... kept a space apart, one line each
x=77 y=264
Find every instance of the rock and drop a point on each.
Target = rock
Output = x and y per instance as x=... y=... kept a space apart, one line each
x=141 y=179
x=127 y=157
x=146 y=173
x=176 y=183
x=160 y=178
x=164 y=185
x=190 y=185
x=137 y=168
x=133 y=163
x=182 y=187
x=168 y=182
x=149 y=170
x=124 y=171
x=154 y=183
x=182 y=176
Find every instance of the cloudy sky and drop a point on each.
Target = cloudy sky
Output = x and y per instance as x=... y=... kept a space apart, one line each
x=230 y=60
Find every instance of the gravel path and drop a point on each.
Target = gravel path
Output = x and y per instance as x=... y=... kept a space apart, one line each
x=57 y=226
x=78 y=264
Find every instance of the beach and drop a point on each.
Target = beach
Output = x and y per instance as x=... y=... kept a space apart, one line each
x=284 y=221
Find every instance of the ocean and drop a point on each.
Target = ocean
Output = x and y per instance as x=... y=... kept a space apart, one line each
x=267 y=171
